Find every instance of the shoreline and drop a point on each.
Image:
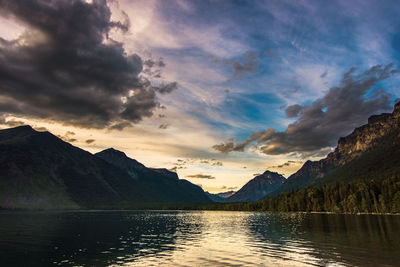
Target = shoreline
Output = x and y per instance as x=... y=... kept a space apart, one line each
x=174 y=209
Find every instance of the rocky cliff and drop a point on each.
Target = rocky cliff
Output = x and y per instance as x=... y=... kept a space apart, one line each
x=370 y=144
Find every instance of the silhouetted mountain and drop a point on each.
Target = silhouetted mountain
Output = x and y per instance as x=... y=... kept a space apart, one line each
x=220 y=197
x=39 y=170
x=258 y=187
x=119 y=159
x=370 y=151
x=166 y=173
x=163 y=183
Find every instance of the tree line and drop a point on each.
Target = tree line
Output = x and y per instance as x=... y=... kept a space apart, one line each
x=361 y=196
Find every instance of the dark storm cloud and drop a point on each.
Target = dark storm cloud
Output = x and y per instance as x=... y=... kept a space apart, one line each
x=151 y=63
x=120 y=126
x=200 y=176
x=89 y=141
x=65 y=68
x=166 y=88
x=293 y=110
x=320 y=124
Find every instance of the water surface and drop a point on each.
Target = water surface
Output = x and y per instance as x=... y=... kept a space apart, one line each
x=197 y=238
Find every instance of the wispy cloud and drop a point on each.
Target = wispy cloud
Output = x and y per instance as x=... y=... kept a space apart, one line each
x=200 y=176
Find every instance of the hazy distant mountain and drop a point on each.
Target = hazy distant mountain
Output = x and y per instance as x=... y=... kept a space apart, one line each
x=39 y=170
x=370 y=151
x=220 y=197
x=258 y=187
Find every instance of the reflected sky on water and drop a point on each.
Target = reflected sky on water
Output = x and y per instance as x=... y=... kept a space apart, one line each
x=185 y=238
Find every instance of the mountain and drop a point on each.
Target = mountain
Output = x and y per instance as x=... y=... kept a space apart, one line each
x=40 y=171
x=258 y=187
x=220 y=197
x=162 y=183
x=370 y=151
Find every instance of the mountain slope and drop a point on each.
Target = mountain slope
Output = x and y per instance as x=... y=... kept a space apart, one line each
x=163 y=183
x=220 y=197
x=40 y=171
x=258 y=187
x=370 y=151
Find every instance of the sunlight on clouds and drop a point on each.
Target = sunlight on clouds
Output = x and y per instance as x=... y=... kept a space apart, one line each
x=9 y=29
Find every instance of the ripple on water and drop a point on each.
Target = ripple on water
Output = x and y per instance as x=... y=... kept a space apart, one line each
x=152 y=238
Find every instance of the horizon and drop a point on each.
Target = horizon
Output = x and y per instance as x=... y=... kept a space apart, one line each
x=216 y=91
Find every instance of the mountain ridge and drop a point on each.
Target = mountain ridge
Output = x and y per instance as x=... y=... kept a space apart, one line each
x=40 y=171
x=258 y=187
x=362 y=140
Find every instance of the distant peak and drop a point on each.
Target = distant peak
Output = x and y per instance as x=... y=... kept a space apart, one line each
x=269 y=172
x=112 y=151
x=24 y=127
x=20 y=129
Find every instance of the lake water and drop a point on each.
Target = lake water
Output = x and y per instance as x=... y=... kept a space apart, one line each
x=197 y=238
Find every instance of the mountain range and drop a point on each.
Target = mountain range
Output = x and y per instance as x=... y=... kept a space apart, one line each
x=40 y=171
x=370 y=151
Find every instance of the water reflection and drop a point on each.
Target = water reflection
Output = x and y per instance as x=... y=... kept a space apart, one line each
x=145 y=238
x=90 y=238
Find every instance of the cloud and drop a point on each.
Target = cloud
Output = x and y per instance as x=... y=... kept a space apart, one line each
x=120 y=126
x=67 y=137
x=200 y=176
x=183 y=163
x=224 y=187
x=212 y=162
x=293 y=110
x=89 y=141
x=151 y=64
x=286 y=164
x=173 y=169
x=248 y=64
x=154 y=63
x=320 y=124
x=41 y=129
x=245 y=64
x=11 y=122
x=66 y=68
x=163 y=126
x=166 y=88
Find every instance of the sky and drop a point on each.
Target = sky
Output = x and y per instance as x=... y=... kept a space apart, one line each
x=218 y=91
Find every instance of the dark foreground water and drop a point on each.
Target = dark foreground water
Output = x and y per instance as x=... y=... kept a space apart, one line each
x=185 y=238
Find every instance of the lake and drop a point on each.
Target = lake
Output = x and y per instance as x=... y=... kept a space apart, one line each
x=197 y=238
